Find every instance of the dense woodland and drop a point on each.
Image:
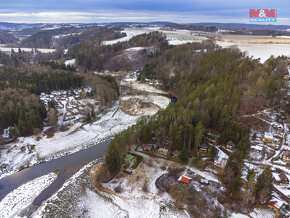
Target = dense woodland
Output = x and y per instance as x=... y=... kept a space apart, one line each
x=69 y=36
x=22 y=110
x=20 y=87
x=7 y=38
x=193 y=27
x=37 y=82
x=211 y=86
x=92 y=55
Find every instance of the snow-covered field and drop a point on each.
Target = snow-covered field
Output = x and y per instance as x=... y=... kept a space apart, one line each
x=262 y=51
x=3 y=48
x=174 y=37
x=177 y=37
x=23 y=196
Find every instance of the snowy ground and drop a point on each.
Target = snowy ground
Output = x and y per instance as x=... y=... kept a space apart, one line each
x=174 y=37
x=23 y=196
x=70 y=62
x=270 y=153
x=109 y=124
x=141 y=87
x=262 y=51
x=28 y=151
x=132 y=201
x=3 y=48
x=177 y=37
x=71 y=105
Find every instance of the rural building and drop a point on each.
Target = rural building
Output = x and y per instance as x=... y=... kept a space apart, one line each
x=176 y=153
x=221 y=160
x=147 y=147
x=204 y=181
x=163 y=151
x=184 y=179
x=128 y=158
x=286 y=156
x=275 y=204
x=281 y=178
x=211 y=137
x=230 y=145
x=257 y=148
x=268 y=136
x=203 y=148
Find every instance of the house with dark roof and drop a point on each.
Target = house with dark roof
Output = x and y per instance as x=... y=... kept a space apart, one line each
x=286 y=156
x=281 y=178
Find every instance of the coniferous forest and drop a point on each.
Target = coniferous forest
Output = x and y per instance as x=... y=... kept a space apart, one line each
x=213 y=86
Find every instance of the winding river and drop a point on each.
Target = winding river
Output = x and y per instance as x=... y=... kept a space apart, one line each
x=9 y=183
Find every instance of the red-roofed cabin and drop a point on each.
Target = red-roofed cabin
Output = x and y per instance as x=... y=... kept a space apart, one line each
x=184 y=179
x=275 y=204
x=147 y=147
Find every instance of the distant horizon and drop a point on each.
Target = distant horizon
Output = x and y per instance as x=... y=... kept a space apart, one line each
x=103 y=11
x=149 y=22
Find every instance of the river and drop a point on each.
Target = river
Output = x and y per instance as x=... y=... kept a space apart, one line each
x=9 y=183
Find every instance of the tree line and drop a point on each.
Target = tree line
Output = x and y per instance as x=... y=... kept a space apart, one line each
x=22 y=110
x=38 y=82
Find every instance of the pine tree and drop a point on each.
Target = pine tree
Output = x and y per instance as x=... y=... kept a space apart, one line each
x=234 y=185
x=199 y=133
x=184 y=155
x=113 y=158
x=93 y=114
x=264 y=186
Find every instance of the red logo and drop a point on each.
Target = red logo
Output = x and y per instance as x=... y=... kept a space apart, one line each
x=263 y=13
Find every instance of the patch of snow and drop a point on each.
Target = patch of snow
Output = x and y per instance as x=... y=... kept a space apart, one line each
x=135 y=49
x=262 y=213
x=238 y=215
x=141 y=87
x=24 y=195
x=3 y=48
x=70 y=62
x=206 y=175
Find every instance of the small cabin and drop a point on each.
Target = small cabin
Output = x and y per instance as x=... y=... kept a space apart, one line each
x=185 y=179
x=275 y=204
x=176 y=153
x=163 y=151
x=147 y=147
x=128 y=158
x=281 y=178
x=221 y=160
x=268 y=137
x=230 y=145
x=203 y=148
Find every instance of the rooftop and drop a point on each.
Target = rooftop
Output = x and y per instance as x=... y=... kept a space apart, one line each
x=129 y=157
x=185 y=179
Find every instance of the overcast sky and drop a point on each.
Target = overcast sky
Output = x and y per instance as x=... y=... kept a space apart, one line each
x=182 y=11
